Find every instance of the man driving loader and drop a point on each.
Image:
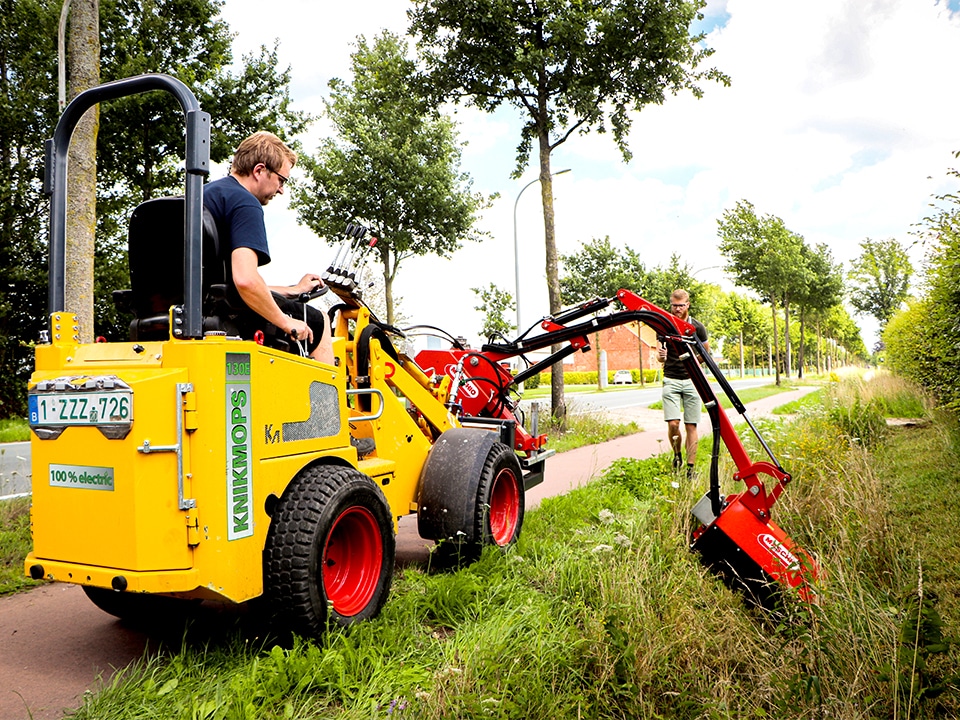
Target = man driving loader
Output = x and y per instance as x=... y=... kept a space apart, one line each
x=260 y=169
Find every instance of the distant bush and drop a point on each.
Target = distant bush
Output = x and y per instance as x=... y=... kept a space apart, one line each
x=532 y=382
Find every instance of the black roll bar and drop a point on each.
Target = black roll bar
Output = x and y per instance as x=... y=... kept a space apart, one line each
x=197 y=162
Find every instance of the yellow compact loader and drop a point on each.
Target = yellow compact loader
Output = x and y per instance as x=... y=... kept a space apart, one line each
x=191 y=463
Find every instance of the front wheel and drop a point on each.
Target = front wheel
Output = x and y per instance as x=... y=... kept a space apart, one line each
x=498 y=511
x=330 y=551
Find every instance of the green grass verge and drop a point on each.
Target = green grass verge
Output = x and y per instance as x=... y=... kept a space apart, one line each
x=601 y=611
x=15 y=543
x=14 y=430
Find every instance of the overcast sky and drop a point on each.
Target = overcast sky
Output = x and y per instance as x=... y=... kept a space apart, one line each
x=841 y=119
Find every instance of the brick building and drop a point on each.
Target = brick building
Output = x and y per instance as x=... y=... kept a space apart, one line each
x=623 y=349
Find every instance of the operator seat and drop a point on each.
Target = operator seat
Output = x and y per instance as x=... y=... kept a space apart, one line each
x=155 y=250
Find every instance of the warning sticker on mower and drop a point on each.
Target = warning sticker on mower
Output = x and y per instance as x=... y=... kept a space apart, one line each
x=81 y=476
x=239 y=446
x=776 y=548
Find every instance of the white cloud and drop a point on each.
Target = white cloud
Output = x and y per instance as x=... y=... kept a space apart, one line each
x=840 y=119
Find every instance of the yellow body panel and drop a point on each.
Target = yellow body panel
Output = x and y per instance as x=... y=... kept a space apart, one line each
x=243 y=437
x=220 y=427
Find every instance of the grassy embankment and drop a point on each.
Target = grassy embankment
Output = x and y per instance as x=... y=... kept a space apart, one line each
x=601 y=611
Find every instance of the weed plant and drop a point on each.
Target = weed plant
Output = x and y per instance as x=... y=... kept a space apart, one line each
x=601 y=611
x=586 y=429
x=15 y=543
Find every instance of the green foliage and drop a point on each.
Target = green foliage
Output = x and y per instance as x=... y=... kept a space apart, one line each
x=532 y=382
x=599 y=270
x=28 y=111
x=566 y=67
x=586 y=429
x=494 y=302
x=862 y=421
x=14 y=430
x=15 y=543
x=880 y=278
x=914 y=673
x=393 y=165
x=921 y=341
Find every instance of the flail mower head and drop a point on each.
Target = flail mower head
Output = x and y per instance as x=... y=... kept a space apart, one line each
x=737 y=539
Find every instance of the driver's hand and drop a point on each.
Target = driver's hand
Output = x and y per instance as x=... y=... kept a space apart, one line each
x=299 y=330
x=308 y=283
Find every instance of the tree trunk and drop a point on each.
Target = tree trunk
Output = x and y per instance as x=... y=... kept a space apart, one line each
x=387 y=282
x=819 y=343
x=640 y=347
x=800 y=353
x=83 y=56
x=741 y=353
x=788 y=362
x=776 y=340
x=557 y=403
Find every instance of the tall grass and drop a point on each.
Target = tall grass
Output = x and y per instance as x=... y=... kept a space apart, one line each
x=601 y=611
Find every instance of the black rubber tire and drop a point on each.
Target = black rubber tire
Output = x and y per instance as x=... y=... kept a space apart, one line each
x=330 y=550
x=141 y=609
x=498 y=510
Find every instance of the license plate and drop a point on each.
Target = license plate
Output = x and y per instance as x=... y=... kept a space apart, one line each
x=81 y=408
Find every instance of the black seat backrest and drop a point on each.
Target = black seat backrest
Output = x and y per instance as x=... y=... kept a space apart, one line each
x=155 y=248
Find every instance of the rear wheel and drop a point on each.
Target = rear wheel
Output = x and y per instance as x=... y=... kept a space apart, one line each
x=498 y=511
x=330 y=551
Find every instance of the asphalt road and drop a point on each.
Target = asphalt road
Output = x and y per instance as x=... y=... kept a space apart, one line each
x=623 y=400
x=14 y=469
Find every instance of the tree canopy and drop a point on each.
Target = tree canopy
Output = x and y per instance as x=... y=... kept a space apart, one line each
x=599 y=270
x=394 y=165
x=880 y=279
x=494 y=303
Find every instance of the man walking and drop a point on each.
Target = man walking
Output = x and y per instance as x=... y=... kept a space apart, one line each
x=680 y=398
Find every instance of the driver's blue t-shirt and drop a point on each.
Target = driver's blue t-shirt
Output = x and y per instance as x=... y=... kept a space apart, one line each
x=239 y=217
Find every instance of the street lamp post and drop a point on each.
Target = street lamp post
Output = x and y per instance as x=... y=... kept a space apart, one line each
x=516 y=246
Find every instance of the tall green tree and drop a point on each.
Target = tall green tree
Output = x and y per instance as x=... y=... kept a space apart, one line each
x=394 y=165
x=763 y=255
x=880 y=279
x=823 y=289
x=494 y=304
x=739 y=322
x=568 y=67
x=28 y=111
x=598 y=269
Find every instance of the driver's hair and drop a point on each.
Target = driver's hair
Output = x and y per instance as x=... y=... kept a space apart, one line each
x=261 y=147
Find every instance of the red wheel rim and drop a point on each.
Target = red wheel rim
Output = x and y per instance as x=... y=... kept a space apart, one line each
x=504 y=507
x=352 y=560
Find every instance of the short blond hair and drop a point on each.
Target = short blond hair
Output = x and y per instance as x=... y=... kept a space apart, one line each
x=261 y=147
x=680 y=294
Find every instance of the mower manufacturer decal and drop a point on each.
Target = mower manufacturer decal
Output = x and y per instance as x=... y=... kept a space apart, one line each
x=81 y=476
x=469 y=389
x=776 y=548
x=239 y=447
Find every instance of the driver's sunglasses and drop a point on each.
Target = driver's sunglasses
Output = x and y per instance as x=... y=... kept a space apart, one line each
x=678 y=305
x=283 y=178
